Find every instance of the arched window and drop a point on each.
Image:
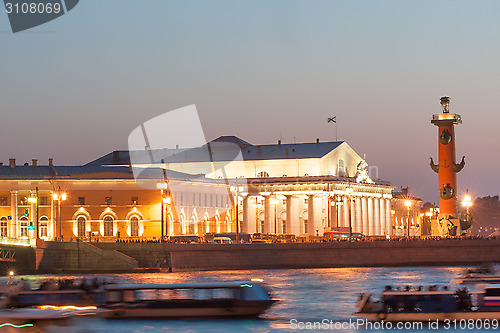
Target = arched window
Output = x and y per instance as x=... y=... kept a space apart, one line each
x=4 y=227
x=262 y=174
x=81 y=225
x=108 y=225
x=44 y=226
x=23 y=230
x=134 y=226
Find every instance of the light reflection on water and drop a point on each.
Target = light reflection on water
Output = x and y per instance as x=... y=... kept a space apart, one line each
x=308 y=295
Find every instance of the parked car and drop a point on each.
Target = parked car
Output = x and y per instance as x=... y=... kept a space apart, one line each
x=222 y=240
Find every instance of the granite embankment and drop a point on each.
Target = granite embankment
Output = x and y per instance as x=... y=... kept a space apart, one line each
x=74 y=257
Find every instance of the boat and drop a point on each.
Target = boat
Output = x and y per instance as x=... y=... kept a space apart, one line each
x=161 y=301
x=433 y=305
x=188 y=300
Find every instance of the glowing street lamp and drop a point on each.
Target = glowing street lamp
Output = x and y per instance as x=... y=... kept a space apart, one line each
x=349 y=191
x=59 y=196
x=162 y=186
x=408 y=205
x=467 y=202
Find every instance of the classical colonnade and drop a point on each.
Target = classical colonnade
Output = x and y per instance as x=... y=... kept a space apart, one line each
x=312 y=214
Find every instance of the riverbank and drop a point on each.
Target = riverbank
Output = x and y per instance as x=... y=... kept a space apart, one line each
x=58 y=257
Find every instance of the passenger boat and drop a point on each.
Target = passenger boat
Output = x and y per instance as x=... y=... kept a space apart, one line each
x=165 y=301
x=432 y=305
x=161 y=301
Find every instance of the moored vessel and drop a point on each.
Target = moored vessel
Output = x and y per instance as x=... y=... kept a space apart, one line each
x=433 y=304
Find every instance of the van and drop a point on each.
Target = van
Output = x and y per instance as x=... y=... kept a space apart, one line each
x=222 y=240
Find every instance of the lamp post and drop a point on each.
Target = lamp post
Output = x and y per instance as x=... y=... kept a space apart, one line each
x=167 y=201
x=467 y=202
x=236 y=190
x=161 y=186
x=35 y=201
x=408 y=205
x=59 y=196
x=275 y=201
x=349 y=191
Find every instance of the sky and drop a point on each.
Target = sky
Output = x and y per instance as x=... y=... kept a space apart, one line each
x=74 y=88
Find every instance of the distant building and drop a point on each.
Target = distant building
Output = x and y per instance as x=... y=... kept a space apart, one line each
x=407 y=215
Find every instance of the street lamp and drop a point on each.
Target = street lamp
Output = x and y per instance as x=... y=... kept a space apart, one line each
x=167 y=202
x=161 y=186
x=349 y=192
x=236 y=190
x=59 y=196
x=467 y=202
x=408 y=205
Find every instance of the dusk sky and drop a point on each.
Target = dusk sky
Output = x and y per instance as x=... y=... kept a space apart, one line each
x=74 y=88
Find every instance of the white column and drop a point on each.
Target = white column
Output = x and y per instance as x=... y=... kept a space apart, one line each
x=359 y=216
x=268 y=215
x=383 y=230
x=345 y=211
x=364 y=208
x=13 y=213
x=310 y=215
x=388 y=217
x=249 y=219
x=292 y=215
x=370 y=217
x=376 y=215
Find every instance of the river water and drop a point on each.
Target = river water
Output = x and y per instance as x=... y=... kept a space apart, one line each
x=308 y=296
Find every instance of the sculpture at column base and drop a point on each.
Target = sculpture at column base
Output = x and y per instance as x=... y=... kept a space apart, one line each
x=445 y=225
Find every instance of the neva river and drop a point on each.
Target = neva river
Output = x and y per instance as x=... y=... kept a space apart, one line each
x=309 y=295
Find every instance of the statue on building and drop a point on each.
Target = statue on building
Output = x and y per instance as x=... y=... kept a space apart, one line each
x=362 y=173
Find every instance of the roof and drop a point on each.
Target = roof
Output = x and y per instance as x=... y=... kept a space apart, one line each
x=224 y=148
x=89 y=172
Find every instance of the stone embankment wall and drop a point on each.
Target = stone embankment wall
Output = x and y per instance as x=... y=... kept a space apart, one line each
x=335 y=254
x=57 y=257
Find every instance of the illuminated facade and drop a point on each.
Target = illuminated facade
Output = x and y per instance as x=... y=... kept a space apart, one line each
x=104 y=203
x=295 y=188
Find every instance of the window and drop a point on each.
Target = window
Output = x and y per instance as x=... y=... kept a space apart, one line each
x=305 y=226
x=134 y=226
x=108 y=225
x=135 y=201
x=341 y=168
x=205 y=200
x=81 y=226
x=284 y=226
x=44 y=226
x=43 y=201
x=306 y=201
x=23 y=227
x=262 y=174
x=262 y=226
x=216 y=200
x=108 y=201
x=4 y=227
x=194 y=199
x=3 y=201
x=81 y=201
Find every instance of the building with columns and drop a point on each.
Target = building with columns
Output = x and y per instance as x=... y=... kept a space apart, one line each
x=300 y=188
